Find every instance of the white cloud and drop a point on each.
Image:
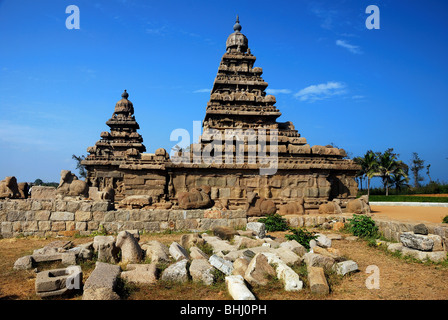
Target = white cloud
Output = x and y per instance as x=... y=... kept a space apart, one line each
x=278 y=91
x=202 y=91
x=321 y=91
x=350 y=47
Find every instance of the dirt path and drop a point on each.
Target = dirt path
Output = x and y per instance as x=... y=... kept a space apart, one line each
x=429 y=214
x=399 y=280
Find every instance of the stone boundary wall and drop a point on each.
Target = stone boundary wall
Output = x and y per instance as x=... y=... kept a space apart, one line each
x=32 y=217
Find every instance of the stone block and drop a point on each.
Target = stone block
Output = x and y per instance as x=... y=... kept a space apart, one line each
x=43 y=193
x=259 y=270
x=295 y=247
x=44 y=225
x=201 y=270
x=102 y=282
x=318 y=260
x=62 y=216
x=416 y=241
x=58 y=281
x=58 y=226
x=258 y=227
x=16 y=216
x=345 y=267
x=140 y=273
x=176 y=272
x=157 y=251
x=42 y=215
x=83 y=216
x=222 y=265
x=290 y=278
x=317 y=281
x=178 y=252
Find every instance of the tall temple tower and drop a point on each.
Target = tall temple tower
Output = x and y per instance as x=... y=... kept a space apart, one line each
x=305 y=175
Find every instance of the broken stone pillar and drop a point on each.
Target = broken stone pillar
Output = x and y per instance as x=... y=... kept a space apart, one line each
x=318 y=282
x=238 y=289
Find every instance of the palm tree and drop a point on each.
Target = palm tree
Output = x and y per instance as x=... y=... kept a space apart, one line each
x=388 y=165
x=369 y=167
x=400 y=180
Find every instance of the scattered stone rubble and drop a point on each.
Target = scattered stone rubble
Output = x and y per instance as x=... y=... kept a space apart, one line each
x=419 y=244
x=245 y=259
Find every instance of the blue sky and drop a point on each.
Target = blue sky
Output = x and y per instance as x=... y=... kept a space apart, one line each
x=337 y=81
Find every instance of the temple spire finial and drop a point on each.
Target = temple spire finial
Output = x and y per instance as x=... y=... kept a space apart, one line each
x=125 y=95
x=237 y=27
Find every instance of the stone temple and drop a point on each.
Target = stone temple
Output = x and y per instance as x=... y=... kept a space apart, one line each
x=244 y=118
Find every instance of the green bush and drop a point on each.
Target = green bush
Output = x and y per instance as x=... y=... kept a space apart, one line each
x=445 y=219
x=362 y=226
x=302 y=236
x=274 y=223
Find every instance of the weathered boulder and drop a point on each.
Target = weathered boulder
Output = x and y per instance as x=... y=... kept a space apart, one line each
x=323 y=241
x=24 y=263
x=238 y=289
x=201 y=270
x=106 y=249
x=259 y=270
x=416 y=241
x=130 y=249
x=421 y=229
x=140 y=273
x=176 y=272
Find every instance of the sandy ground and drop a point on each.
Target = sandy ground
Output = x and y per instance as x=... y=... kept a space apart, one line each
x=429 y=214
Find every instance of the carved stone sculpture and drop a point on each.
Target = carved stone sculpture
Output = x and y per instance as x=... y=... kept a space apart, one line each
x=195 y=199
x=295 y=207
x=332 y=207
x=258 y=206
x=9 y=188
x=71 y=186
x=359 y=206
x=130 y=249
